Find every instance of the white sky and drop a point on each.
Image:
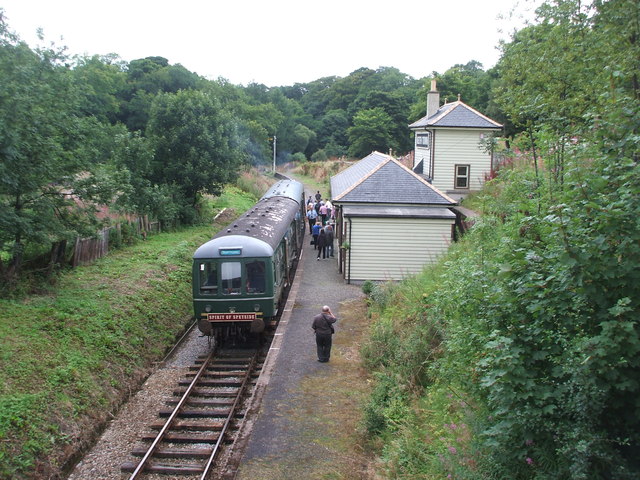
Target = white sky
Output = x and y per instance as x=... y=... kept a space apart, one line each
x=277 y=42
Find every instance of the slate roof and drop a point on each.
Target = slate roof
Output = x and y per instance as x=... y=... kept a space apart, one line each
x=456 y=115
x=380 y=179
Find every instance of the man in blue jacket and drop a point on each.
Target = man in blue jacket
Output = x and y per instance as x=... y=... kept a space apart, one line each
x=315 y=231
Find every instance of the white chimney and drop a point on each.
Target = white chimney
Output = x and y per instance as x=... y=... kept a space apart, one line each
x=433 y=100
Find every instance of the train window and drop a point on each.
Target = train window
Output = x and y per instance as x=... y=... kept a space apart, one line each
x=256 y=271
x=208 y=279
x=277 y=261
x=282 y=259
x=231 y=275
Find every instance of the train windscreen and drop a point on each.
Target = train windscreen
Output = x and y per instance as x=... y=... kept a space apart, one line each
x=256 y=276
x=208 y=279
x=231 y=275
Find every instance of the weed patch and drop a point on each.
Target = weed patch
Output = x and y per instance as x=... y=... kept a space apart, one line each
x=326 y=415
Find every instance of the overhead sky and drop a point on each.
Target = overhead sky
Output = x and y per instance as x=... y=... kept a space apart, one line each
x=277 y=42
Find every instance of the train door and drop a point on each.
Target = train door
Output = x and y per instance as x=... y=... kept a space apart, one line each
x=287 y=259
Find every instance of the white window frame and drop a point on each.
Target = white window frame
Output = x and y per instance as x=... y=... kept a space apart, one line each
x=458 y=176
x=421 y=138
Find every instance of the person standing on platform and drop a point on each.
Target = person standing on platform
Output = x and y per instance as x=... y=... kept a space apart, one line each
x=312 y=216
x=322 y=244
x=315 y=231
x=329 y=206
x=323 y=327
x=323 y=213
x=328 y=230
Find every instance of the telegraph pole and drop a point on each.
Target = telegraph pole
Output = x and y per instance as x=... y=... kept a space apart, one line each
x=274 y=154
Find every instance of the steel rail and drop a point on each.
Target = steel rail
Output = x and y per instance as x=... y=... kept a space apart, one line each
x=227 y=422
x=173 y=415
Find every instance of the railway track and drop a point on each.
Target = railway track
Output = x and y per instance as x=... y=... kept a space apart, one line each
x=202 y=418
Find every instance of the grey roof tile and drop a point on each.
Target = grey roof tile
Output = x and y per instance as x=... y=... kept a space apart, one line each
x=345 y=179
x=456 y=114
x=378 y=178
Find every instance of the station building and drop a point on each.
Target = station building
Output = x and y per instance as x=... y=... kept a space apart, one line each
x=390 y=220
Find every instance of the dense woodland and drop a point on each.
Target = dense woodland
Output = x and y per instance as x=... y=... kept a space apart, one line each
x=517 y=357
x=149 y=138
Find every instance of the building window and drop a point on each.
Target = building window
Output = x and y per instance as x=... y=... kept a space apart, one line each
x=423 y=139
x=462 y=176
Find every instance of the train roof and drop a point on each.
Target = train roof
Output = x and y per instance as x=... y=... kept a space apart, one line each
x=233 y=246
x=261 y=228
x=286 y=188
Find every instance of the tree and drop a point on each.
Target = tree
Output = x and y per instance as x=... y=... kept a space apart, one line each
x=561 y=369
x=345 y=90
x=545 y=84
x=146 y=78
x=396 y=106
x=333 y=129
x=302 y=136
x=99 y=81
x=196 y=146
x=372 y=130
x=46 y=180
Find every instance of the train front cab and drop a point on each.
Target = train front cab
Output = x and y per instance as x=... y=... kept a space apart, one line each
x=235 y=290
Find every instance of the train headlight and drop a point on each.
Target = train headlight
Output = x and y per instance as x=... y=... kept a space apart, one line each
x=232 y=309
x=256 y=307
x=207 y=308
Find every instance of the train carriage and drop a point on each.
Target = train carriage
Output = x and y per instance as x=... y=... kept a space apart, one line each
x=240 y=276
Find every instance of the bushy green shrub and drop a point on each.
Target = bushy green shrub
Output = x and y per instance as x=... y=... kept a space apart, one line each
x=299 y=157
x=319 y=156
x=381 y=293
x=367 y=287
x=387 y=407
x=535 y=318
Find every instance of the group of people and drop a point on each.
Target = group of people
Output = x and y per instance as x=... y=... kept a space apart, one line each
x=323 y=240
x=319 y=210
x=321 y=216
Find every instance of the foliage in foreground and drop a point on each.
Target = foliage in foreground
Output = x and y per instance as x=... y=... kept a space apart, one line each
x=527 y=332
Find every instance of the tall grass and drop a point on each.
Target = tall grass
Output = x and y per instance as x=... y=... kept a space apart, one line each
x=321 y=172
x=253 y=182
x=316 y=175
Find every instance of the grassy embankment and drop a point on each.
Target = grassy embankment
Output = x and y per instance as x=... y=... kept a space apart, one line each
x=70 y=356
x=316 y=175
x=516 y=356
